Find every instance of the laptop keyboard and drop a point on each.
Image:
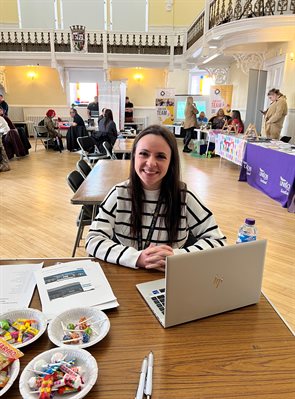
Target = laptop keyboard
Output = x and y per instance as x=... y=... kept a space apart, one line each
x=158 y=297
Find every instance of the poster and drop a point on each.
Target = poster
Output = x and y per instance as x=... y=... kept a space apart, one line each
x=165 y=99
x=230 y=147
x=220 y=97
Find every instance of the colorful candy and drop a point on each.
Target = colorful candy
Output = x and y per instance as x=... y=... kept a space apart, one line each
x=80 y=332
x=8 y=354
x=18 y=331
x=59 y=376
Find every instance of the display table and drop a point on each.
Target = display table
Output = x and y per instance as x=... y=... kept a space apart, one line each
x=270 y=171
x=230 y=147
x=247 y=352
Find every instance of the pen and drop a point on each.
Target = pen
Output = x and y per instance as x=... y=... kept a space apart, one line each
x=140 y=388
x=149 y=377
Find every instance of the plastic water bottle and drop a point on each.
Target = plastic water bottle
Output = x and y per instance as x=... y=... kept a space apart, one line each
x=247 y=232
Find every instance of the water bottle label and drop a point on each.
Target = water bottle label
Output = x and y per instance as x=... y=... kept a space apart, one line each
x=245 y=238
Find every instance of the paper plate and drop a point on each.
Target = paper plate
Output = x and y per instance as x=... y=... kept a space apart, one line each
x=83 y=359
x=28 y=313
x=56 y=332
x=13 y=370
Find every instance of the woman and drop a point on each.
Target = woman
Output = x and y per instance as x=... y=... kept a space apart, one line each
x=11 y=140
x=190 y=122
x=152 y=215
x=236 y=122
x=50 y=126
x=275 y=115
x=107 y=131
x=218 y=121
x=18 y=131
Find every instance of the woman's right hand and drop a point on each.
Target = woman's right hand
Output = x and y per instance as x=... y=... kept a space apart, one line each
x=154 y=257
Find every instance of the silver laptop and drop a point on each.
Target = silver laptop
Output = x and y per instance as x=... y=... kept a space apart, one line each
x=204 y=283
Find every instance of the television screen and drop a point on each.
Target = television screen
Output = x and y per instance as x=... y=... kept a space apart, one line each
x=202 y=103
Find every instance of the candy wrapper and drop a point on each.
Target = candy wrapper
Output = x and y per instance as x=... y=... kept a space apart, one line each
x=8 y=354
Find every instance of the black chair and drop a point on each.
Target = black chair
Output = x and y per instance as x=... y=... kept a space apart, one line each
x=75 y=179
x=83 y=167
x=109 y=150
x=89 y=150
x=42 y=134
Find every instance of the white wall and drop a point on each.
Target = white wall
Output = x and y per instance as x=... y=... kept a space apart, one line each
x=37 y=14
x=83 y=12
x=128 y=15
x=178 y=80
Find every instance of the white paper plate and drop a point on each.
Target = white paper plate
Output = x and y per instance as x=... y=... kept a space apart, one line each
x=28 y=313
x=83 y=359
x=56 y=333
x=13 y=370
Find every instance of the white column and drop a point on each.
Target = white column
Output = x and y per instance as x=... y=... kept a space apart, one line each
x=206 y=16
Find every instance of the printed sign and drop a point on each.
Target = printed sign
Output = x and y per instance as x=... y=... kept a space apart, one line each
x=220 y=97
x=165 y=100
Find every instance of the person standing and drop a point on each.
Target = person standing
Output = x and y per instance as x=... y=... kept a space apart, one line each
x=190 y=122
x=128 y=111
x=93 y=106
x=3 y=104
x=275 y=114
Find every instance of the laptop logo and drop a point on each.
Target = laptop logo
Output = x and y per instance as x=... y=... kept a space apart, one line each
x=217 y=281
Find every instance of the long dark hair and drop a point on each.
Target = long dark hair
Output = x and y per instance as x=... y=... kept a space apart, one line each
x=237 y=115
x=108 y=117
x=171 y=192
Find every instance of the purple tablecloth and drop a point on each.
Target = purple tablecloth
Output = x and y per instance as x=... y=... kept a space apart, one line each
x=272 y=172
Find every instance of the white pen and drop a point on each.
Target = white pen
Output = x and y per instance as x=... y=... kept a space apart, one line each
x=140 y=388
x=149 y=377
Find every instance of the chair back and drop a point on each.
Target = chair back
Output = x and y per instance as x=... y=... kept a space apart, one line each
x=86 y=144
x=75 y=179
x=41 y=131
x=83 y=167
x=109 y=150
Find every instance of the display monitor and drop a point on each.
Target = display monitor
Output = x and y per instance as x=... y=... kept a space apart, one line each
x=202 y=104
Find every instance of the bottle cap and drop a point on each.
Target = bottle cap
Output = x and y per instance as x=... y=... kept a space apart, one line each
x=250 y=221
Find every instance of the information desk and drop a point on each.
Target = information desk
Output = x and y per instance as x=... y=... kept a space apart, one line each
x=270 y=171
x=230 y=147
x=248 y=352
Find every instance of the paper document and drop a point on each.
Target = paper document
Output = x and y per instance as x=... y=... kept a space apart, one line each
x=68 y=285
x=17 y=283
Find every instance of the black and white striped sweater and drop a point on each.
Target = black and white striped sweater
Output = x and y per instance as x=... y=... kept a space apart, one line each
x=109 y=237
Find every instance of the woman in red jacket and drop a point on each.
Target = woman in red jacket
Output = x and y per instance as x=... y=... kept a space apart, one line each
x=236 y=121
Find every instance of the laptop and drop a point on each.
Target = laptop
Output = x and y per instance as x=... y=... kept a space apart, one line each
x=205 y=283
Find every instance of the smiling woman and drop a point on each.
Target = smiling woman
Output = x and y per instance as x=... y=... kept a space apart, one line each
x=152 y=215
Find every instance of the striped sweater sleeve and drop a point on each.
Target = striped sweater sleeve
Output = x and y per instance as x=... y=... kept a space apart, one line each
x=202 y=226
x=100 y=239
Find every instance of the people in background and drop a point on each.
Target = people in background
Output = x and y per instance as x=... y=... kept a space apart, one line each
x=3 y=104
x=275 y=114
x=77 y=119
x=20 y=131
x=218 y=121
x=50 y=126
x=107 y=131
x=153 y=214
x=101 y=115
x=190 y=122
x=202 y=118
x=128 y=110
x=93 y=106
x=236 y=122
x=11 y=140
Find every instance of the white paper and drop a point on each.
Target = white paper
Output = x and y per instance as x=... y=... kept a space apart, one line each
x=68 y=285
x=17 y=284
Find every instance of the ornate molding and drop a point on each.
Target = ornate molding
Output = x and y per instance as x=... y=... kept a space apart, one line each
x=219 y=74
x=3 y=78
x=249 y=61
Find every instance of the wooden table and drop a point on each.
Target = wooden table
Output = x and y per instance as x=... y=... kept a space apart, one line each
x=105 y=174
x=246 y=353
x=123 y=146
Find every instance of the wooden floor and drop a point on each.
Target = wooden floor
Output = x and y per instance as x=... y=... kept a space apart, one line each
x=38 y=220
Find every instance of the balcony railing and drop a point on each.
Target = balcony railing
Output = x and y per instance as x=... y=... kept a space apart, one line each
x=224 y=11
x=95 y=42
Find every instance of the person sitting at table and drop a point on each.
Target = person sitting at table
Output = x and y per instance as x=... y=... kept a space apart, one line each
x=77 y=119
x=21 y=133
x=190 y=122
x=236 y=122
x=77 y=129
x=11 y=140
x=107 y=131
x=153 y=214
x=53 y=133
x=218 y=121
x=202 y=118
